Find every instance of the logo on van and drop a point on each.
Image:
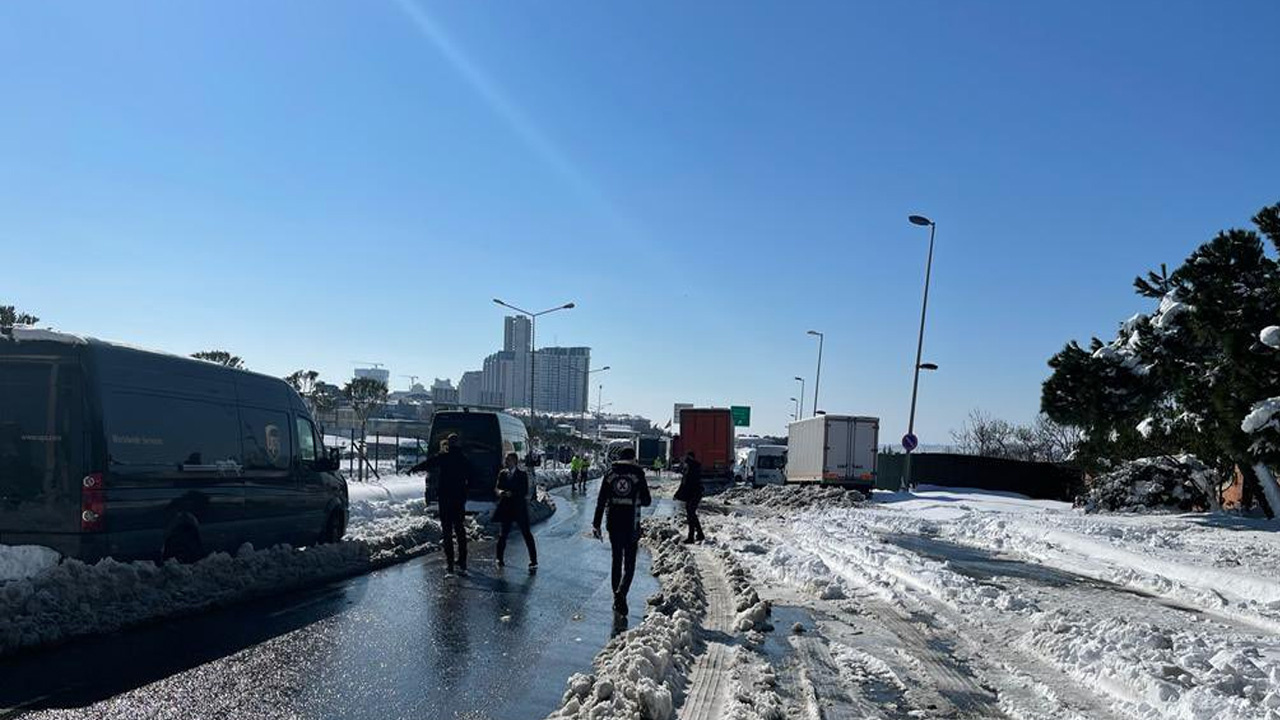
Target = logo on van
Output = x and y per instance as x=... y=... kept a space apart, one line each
x=42 y=438
x=273 y=442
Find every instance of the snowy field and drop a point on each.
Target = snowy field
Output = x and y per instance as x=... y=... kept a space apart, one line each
x=965 y=603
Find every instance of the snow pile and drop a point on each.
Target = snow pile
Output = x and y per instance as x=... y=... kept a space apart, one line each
x=753 y=688
x=1180 y=483
x=753 y=613
x=1160 y=673
x=18 y=562
x=43 y=602
x=792 y=496
x=638 y=674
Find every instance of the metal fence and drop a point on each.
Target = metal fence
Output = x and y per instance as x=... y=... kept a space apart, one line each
x=1043 y=481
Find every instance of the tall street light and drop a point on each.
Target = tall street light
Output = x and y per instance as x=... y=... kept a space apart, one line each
x=800 y=410
x=533 y=343
x=818 y=377
x=586 y=394
x=922 y=221
x=797 y=402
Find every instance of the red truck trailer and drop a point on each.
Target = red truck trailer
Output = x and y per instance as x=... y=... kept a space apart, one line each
x=708 y=432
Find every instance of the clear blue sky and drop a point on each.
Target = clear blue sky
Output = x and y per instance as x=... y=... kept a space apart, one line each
x=309 y=183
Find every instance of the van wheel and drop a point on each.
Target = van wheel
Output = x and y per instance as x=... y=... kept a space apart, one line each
x=333 y=529
x=183 y=545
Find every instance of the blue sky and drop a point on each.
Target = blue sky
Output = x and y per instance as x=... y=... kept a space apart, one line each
x=311 y=183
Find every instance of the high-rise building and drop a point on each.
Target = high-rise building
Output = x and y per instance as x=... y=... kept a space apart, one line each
x=471 y=388
x=561 y=379
x=443 y=392
x=517 y=334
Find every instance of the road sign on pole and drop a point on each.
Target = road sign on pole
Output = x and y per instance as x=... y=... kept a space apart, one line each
x=910 y=442
x=741 y=415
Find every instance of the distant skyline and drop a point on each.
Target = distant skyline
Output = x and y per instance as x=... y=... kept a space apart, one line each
x=311 y=184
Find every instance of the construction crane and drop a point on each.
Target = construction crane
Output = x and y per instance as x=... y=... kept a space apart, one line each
x=373 y=365
x=413 y=380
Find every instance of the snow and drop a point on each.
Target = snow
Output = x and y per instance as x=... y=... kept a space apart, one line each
x=18 y=562
x=43 y=601
x=22 y=333
x=1270 y=336
x=1219 y=658
x=1147 y=427
x=1262 y=416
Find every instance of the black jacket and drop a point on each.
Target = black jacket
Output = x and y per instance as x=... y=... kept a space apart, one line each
x=690 y=489
x=451 y=472
x=512 y=507
x=622 y=492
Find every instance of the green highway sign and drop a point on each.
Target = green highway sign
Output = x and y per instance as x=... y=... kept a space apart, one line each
x=741 y=415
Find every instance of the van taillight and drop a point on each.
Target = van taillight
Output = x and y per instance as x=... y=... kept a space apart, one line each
x=93 y=502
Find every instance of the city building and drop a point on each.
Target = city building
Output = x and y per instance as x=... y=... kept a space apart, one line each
x=560 y=375
x=377 y=373
x=443 y=392
x=471 y=388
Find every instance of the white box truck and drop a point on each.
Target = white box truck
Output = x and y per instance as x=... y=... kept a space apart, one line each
x=833 y=450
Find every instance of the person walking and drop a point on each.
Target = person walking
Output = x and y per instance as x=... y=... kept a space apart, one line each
x=622 y=493
x=513 y=507
x=690 y=491
x=451 y=472
x=575 y=472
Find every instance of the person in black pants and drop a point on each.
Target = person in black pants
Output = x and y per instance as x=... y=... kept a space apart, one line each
x=622 y=493
x=513 y=507
x=690 y=491
x=452 y=474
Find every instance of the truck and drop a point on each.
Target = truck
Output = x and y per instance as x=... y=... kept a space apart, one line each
x=833 y=450
x=766 y=465
x=649 y=449
x=708 y=432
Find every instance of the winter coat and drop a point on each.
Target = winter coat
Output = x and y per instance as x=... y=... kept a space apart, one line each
x=622 y=493
x=516 y=504
x=690 y=489
x=451 y=472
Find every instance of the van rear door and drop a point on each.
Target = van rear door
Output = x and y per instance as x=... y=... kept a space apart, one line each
x=42 y=439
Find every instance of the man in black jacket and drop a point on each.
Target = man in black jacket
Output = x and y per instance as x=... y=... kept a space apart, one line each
x=452 y=474
x=513 y=507
x=690 y=491
x=622 y=492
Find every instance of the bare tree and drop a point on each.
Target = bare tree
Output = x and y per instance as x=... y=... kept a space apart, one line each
x=366 y=395
x=1042 y=441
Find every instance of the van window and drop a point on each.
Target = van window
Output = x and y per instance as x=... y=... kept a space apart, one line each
x=771 y=462
x=41 y=411
x=147 y=432
x=268 y=443
x=306 y=440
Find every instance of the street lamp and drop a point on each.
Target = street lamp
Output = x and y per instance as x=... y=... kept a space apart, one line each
x=922 y=221
x=797 y=402
x=800 y=411
x=586 y=394
x=533 y=343
x=817 y=378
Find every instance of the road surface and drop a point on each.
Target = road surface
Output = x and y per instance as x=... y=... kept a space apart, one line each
x=401 y=642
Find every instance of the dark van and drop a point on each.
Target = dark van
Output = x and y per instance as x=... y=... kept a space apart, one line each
x=107 y=450
x=486 y=438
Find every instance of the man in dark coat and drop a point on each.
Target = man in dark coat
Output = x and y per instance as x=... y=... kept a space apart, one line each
x=513 y=507
x=451 y=472
x=690 y=491
x=622 y=493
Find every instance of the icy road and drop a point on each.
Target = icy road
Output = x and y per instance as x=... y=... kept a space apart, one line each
x=401 y=642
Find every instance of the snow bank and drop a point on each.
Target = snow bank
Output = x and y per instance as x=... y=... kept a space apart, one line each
x=1262 y=416
x=639 y=673
x=790 y=496
x=1270 y=336
x=43 y=602
x=1180 y=483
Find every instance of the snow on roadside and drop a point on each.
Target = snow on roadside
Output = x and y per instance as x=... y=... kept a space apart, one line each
x=23 y=561
x=48 y=603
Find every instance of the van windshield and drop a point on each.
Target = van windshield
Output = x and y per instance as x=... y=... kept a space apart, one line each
x=771 y=462
x=40 y=421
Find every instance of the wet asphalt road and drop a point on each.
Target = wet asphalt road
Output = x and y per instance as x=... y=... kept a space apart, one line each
x=403 y=642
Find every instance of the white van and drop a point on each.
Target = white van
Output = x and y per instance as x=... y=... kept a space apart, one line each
x=767 y=465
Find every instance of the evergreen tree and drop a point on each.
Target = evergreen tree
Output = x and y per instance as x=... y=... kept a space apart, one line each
x=221 y=357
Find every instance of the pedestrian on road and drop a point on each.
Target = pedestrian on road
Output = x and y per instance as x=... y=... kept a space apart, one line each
x=575 y=473
x=690 y=491
x=513 y=507
x=451 y=472
x=622 y=492
x=658 y=465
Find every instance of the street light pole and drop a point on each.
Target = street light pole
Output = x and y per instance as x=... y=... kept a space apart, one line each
x=586 y=393
x=924 y=309
x=796 y=414
x=818 y=377
x=533 y=344
x=800 y=410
